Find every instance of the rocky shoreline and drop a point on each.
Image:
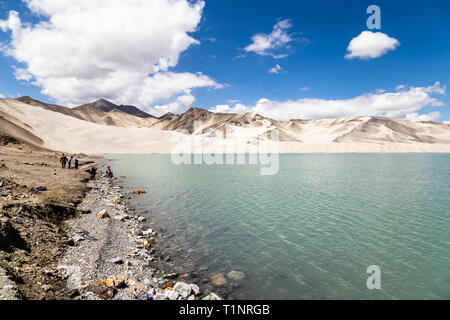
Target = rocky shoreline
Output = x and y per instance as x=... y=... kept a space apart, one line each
x=115 y=253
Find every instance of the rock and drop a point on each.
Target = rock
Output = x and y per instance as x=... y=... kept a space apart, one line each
x=212 y=296
x=147 y=233
x=170 y=275
x=124 y=217
x=138 y=191
x=101 y=289
x=114 y=282
x=47 y=288
x=142 y=219
x=117 y=260
x=195 y=288
x=218 y=280
x=183 y=289
x=78 y=238
x=236 y=276
x=102 y=215
x=171 y=295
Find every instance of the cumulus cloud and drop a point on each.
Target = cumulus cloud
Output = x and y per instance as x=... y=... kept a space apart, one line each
x=370 y=45
x=2 y=96
x=397 y=105
x=279 y=38
x=119 y=50
x=275 y=70
x=447 y=122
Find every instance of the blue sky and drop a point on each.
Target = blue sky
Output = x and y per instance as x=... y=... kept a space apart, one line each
x=314 y=67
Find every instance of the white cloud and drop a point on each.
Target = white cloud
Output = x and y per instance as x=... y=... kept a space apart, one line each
x=369 y=45
x=2 y=96
x=275 y=70
x=446 y=122
x=397 y=105
x=279 y=38
x=423 y=117
x=118 y=50
x=22 y=74
x=304 y=89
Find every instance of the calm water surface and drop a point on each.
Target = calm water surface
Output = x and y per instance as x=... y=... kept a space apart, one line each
x=311 y=231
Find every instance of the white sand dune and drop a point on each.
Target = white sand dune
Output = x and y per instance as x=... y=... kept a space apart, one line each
x=221 y=133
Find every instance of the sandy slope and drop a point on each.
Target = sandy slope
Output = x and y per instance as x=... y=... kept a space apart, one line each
x=221 y=133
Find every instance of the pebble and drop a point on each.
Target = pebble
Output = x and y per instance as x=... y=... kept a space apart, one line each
x=117 y=260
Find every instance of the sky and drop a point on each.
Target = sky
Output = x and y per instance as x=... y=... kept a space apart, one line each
x=281 y=59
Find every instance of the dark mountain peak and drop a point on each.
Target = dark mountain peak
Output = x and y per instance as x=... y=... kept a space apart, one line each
x=107 y=106
x=27 y=100
x=134 y=111
x=100 y=105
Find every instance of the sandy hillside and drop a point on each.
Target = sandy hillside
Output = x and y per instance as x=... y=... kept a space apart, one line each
x=86 y=129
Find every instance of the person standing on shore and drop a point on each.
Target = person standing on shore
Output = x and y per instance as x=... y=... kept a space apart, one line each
x=63 y=161
x=70 y=162
x=76 y=164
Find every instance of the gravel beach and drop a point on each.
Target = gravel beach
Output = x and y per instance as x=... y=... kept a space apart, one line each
x=115 y=253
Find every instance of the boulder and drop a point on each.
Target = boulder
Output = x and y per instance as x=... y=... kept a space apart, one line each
x=183 y=289
x=236 y=276
x=171 y=294
x=218 y=280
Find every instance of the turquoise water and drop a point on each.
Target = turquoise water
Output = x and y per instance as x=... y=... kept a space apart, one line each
x=310 y=231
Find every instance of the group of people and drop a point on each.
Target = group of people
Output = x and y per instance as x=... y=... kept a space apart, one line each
x=64 y=160
x=93 y=171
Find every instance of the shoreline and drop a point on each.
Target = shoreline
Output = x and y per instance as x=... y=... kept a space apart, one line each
x=53 y=246
x=116 y=256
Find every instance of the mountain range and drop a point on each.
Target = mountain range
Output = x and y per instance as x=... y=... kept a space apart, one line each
x=104 y=127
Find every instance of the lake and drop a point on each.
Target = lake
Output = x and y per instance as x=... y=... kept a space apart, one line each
x=310 y=231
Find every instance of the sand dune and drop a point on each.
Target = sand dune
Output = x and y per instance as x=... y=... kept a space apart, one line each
x=103 y=127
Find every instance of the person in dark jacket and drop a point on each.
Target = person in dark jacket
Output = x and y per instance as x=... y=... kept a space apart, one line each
x=70 y=162
x=63 y=161
x=76 y=164
x=93 y=171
